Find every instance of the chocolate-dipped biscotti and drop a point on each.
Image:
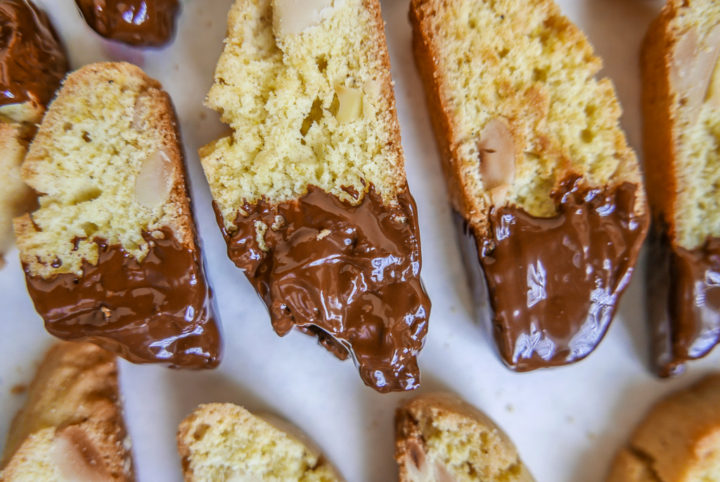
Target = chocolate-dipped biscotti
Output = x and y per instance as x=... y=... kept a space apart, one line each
x=222 y=441
x=537 y=168
x=681 y=106
x=71 y=427
x=439 y=437
x=310 y=189
x=32 y=64
x=111 y=256
x=140 y=23
x=677 y=441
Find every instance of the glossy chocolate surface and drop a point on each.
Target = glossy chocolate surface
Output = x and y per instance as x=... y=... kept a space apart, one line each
x=32 y=60
x=156 y=310
x=684 y=302
x=134 y=22
x=554 y=283
x=348 y=274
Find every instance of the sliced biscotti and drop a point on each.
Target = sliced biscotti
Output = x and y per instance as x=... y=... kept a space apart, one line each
x=110 y=255
x=677 y=441
x=537 y=167
x=681 y=106
x=32 y=64
x=222 y=441
x=310 y=188
x=440 y=437
x=71 y=427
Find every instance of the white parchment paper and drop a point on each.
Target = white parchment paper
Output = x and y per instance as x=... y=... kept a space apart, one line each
x=566 y=422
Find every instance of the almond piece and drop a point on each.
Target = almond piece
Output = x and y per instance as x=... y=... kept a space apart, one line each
x=497 y=157
x=693 y=63
x=75 y=457
x=292 y=17
x=350 y=104
x=713 y=93
x=155 y=180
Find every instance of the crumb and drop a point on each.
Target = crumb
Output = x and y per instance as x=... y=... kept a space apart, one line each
x=591 y=435
x=510 y=407
x=203 y=115
x=18 y=389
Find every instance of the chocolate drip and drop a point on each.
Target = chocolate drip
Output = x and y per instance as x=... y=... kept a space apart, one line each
x=554 y=283
x=156 y=310
x=134 y=22
x=684 y=307
x=32 y=60
x=349 y=274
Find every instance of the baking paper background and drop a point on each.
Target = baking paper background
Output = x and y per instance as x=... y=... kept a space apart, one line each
x=566 y=422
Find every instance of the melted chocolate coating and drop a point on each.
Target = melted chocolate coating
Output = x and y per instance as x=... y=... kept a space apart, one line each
x=32 y=60
x=349 y=274
x=554 y=283
x=134 y=22
x=684 y=302
x=156 y=310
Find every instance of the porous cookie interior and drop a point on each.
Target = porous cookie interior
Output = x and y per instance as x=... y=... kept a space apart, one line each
x=307 y=108
x=106 y=163
x=696 y=99
x=225 y=442
x=524 y=65
x=458 y=443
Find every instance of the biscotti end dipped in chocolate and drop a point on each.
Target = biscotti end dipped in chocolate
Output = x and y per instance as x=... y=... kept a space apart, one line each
x=222 y=441
x=536 y=166
x=681 y=108
x=32 y=64
x=678 y=440
x=71 y=426
x=140 y=23
x=310 y=189
x=110 y=255
x=440 y=437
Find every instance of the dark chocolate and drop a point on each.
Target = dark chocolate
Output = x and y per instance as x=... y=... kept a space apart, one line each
x=156 y=310
x=148 y=23
x=684 y=302
x=349 y=274
x=554 y=283
x=32 y=59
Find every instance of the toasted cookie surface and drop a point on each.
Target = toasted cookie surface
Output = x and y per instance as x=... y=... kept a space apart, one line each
x=71 y=427
x=222 y=441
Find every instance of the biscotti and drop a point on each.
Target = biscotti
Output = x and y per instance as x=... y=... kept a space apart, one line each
x=110 y=256
x=310 y=189
x=32 y=64
x=681 y=108
x=71 y=427
x=537 y=168
x=677 y=441
x=222 y=441
x=440 y=437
